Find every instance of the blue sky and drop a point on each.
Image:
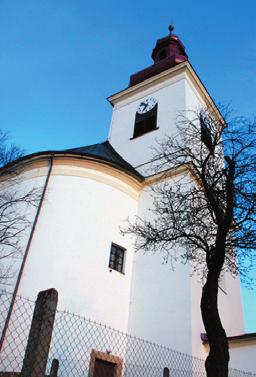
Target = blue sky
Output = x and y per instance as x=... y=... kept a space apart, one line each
x=60 y=59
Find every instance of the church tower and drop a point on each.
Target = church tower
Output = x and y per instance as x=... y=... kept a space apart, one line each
x=144 y=113
x=147 y=110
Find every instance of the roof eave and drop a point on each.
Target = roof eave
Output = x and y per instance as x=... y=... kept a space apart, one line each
x=184 y=67
x=51 y=154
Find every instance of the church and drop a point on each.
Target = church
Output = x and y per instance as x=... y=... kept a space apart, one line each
x=75 y=245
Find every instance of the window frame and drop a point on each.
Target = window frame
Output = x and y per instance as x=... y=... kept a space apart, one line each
x=114 y=265
x=141 y=121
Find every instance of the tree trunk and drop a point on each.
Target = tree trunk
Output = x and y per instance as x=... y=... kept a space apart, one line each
x=216 y=364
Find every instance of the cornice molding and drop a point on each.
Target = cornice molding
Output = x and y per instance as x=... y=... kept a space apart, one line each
x=183 y=68
x=72 y=166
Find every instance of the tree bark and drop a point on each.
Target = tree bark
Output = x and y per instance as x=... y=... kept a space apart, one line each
x=216 y=364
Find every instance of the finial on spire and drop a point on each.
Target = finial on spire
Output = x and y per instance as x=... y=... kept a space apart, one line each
x=171 y=28
x=167 y=53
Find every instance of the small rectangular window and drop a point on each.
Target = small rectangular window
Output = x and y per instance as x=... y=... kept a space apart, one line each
x=116 y=259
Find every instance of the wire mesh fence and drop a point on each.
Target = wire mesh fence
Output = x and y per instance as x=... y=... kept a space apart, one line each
x=80 y=347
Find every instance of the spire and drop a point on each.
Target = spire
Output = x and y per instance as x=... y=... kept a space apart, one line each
x=168 y=52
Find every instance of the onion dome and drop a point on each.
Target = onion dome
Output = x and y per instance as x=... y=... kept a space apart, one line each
x=168 y=52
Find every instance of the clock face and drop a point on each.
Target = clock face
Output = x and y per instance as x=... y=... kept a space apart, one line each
x=146 y=105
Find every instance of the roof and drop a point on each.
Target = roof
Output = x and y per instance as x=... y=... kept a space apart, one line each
x=106 y=152
x=103 y=152
x=184 y=67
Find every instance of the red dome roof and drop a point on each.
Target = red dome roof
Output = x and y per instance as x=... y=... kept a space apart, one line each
x=168 y=52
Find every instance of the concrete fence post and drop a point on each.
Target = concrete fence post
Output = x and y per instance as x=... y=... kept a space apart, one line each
x=40 y=334
x=54 y=368
x=166 y=372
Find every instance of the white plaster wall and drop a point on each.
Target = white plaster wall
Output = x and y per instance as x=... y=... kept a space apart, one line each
x=21 y=187
x=231 y=306
x=160 y=300
x=196 y=317
x=171 y=100
x=242 y=355
x=71 y=246
x=192 y=99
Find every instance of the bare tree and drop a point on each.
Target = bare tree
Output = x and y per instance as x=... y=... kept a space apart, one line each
x=14 y=202
x=206 y=213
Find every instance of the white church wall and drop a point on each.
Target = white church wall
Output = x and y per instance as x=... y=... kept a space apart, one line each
x=242 y=355
x=160 y=300
x=70 y=250
x=170 y=96
x=23 y=184
x=20 y=186
x=196 y=317
x=194 y=101
x=230 y=303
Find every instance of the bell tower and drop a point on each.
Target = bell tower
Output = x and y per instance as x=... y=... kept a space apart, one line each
x=148 y=108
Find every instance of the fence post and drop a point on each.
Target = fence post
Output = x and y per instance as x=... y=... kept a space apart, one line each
x=166 y=372
x=54 y=368
x=40 y=334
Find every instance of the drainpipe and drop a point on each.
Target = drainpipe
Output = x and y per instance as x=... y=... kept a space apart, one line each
x=26 y=253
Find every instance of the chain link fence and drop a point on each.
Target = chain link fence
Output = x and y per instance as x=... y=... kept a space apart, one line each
x=83 y=348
